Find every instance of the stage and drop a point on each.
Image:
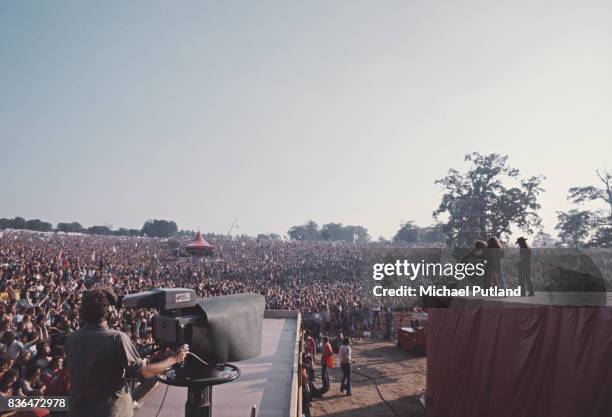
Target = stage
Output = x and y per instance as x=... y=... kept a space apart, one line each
x=574 y=299
x=542 y=356
x=267 y=381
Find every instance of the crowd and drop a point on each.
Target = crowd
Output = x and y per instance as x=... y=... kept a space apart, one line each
x=43 y=277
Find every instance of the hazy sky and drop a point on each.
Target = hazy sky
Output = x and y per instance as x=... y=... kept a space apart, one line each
x=279 y=112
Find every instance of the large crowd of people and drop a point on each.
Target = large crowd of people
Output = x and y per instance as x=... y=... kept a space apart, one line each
x=43 y=277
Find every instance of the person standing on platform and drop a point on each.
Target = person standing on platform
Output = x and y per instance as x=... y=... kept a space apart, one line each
x=524 y=267
x=327 y=361
x=493 y=269
x=345 y=364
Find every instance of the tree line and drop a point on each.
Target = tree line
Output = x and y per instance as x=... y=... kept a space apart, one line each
x=151 y=228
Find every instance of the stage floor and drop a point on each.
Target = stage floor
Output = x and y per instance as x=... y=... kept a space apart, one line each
x=266 y=381
x=541 y=298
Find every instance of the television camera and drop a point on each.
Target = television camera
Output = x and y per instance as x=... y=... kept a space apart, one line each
x=217 y=329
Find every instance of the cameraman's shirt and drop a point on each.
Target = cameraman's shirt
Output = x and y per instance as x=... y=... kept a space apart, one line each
x=99 y=362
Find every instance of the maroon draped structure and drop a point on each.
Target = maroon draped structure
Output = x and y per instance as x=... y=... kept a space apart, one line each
x=490 y=358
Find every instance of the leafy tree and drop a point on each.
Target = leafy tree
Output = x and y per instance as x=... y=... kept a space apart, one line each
x=73 y=227
x=309 y=231
x=99 y=230
x=600 y=222
x=413 y=234
x=268 y=236
x=357 y=234
x=38 y=225
x=408 y=233
x=338 y=232
x=575 y=226
x=19 y=223
x=543 y=240
x=159 y=228
x=433 y=235
x=334 y=232
x=480 y=203
x=589 y=193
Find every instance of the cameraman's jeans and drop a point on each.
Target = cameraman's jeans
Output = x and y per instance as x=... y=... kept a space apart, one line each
x=346 y=378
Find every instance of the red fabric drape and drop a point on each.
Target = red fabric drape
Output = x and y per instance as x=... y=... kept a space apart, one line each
x=485 y=359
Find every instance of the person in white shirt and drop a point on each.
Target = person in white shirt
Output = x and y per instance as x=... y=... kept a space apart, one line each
x=345 y=363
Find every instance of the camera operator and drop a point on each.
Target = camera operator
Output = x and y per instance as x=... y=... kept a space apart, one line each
x=100 y=361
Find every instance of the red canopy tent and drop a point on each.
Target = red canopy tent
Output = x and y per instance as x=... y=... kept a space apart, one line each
x=199 y=246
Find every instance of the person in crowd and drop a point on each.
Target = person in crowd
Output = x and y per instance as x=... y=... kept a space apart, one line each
x=306 y=383
x=327 y=362
x=326 y=317
x=376 y=318
x=493 y=268
x=345 y=364
x=7 y=383
x=389 y=322
x=524 y=267
x=310 y=345
x=100 y=360
x=31 y=383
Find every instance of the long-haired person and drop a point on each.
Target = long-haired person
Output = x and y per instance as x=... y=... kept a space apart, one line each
x=524 y=267
x=495 y=253
x=477 y=256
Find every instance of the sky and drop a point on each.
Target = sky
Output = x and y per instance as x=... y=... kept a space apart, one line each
x=277 y=112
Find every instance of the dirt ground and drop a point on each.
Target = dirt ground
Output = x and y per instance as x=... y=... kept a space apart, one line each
x=387 y=382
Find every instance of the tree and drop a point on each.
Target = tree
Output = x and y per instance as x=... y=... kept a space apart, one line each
x=357 y=234
x=413 y=234
x=433 y=235
x=99 y=230
x=268 y=236
x=580 y=195
x=543 y=240
x=73 y=227
x=600 y=222
x=38 y=225
x=159 y=228
x=408 y=233
x=575 y=226
x=334 y=232
x=481 y=203
x=309 y=231
x=337 y=232
x=19 y=223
